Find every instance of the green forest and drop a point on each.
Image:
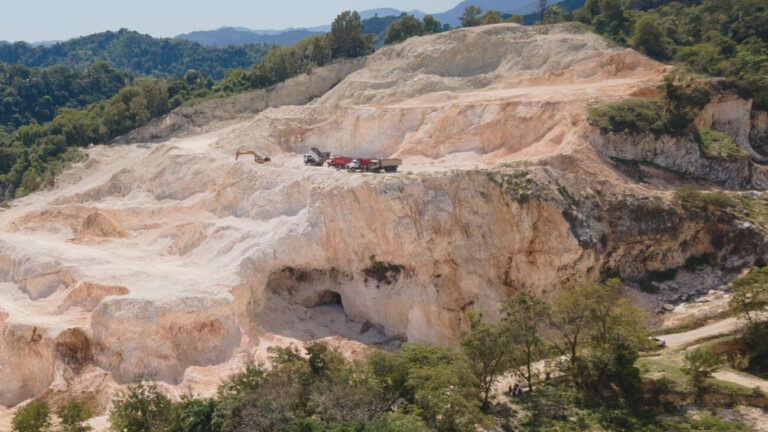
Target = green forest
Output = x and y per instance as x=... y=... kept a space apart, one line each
x=718 y=38
x=34 y=95
x=135 y=53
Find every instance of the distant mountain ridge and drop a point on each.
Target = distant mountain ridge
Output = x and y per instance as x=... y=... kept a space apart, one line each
x=238 y=36
x=453 y=16
x=290 y=36
x=384 y=12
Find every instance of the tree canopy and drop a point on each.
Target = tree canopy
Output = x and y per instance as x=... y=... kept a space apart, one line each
x=137 y=53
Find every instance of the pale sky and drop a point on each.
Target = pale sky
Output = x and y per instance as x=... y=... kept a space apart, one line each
x=40 y=20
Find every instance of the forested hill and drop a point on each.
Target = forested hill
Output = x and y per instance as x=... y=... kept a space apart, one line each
x=137 y=53
x=34 y=95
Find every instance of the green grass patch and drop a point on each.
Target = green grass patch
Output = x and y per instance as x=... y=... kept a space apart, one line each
x=705 y=201
x=672 y=370
x=714 y=144
x=634 y=115
x=729 y=387
x=752 y=208
x=666 y=367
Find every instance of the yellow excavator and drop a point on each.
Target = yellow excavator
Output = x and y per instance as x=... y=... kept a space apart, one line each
x=256 y=157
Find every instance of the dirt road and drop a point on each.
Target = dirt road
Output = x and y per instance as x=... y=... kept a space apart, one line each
x=726 y=326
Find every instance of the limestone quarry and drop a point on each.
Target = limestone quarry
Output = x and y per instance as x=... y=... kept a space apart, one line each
x=161 y=255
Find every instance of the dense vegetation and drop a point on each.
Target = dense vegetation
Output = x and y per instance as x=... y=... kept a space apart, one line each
x=750 y=299
x=30 y=95
x=672 y=114
x=408 y=26
x=136 y=53
x=724 y=38
x=596 y=386
x=34 y=153
x=346 y=40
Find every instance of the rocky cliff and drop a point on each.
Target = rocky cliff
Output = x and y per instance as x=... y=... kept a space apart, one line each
x=174 y=260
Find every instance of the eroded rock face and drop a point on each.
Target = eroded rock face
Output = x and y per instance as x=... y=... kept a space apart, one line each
x=161 y=340
x=36 y=276
x=759 y=133
x=88 y=295
x=26 y=362
x=731 y=115
x=682 y=154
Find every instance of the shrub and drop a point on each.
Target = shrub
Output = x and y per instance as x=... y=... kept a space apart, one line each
x=718 y=145
x=73 y=414
x=380 y=270
x=197 y=414
x=700 y=364
x=142 y=408
x=704 y=201
x=396 y=422
x=636 y=115
x=34 y=417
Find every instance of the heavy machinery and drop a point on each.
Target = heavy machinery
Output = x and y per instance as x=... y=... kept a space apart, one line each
x=339 y=162
x=316 y=157
x=374 y=165
x=358 y=165
x=256 y=157
x=388 y=165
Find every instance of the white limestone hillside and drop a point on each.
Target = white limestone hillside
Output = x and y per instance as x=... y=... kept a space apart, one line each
x=172 y=259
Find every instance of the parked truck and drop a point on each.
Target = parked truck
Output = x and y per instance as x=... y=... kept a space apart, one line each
x=359 y=164
x=316 y=157
x=364 y=164
x=339 y=162
x=388 y=165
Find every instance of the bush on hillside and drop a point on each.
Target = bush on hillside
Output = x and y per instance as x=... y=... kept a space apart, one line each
x=73 y=414
x=711 y=202
x=715 y=144
x=635 y=115
x=33 y=417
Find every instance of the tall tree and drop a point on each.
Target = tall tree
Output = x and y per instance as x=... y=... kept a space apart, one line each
x=487 y=347
x=432 y=25
x=601 y=334
x=471 y=16
x=525 y=320
x=347 y=37
x=650 y=39
x=404 y=28
x=750 y=295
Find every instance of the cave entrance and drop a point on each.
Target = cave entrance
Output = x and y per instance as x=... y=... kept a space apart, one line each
x=327 y=298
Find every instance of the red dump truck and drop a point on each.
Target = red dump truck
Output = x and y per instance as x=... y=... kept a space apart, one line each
x=339 y=161
x=347 y=162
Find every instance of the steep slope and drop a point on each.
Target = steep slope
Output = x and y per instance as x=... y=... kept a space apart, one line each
x=173 y=259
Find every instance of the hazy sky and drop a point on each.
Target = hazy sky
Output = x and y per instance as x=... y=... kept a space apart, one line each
x=39 y=20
